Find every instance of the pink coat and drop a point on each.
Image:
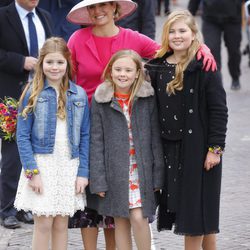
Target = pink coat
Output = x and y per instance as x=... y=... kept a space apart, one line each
x=89 y=67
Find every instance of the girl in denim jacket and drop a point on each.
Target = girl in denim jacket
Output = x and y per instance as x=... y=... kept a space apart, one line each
x=53 y=142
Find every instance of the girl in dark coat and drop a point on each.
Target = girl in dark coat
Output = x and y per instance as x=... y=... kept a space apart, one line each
x=193 y=117
x=126 y=158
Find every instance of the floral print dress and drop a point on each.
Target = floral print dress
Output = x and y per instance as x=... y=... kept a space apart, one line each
x=134 y=184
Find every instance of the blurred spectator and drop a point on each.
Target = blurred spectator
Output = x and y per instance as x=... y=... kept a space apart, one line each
x=2 y=4
x=58 y=10
x=222 y=18
x=166 y=6
x=142 y=20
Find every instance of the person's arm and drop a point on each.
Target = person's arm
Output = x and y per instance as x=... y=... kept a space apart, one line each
x=98 y=181
x=147 y=46
x=159 y=166
x=217 y=119
x=207 y=57
x=23 y=137
x=83 y=169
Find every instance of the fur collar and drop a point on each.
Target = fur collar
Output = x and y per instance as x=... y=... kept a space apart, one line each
x=105 y=92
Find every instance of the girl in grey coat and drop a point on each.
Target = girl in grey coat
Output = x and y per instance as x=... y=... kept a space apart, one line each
x=126 y=160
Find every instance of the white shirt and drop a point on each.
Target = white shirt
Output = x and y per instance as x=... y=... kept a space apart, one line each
x=39 y=27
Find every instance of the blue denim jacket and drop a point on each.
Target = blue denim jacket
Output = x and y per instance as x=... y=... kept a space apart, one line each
x=36 y=133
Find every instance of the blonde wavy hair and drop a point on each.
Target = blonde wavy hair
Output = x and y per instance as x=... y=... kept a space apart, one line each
x=139 y=67
x=51 y=45
x=189 y=20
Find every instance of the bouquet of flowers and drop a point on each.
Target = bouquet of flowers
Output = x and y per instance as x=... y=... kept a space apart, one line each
x=8 y=118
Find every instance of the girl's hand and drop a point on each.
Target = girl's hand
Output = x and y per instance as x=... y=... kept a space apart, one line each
x=36 y=184
x=81 y=183
x=101 y=194
x=208 y=58
x=212 y=160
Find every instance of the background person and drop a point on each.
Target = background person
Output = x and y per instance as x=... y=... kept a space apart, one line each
x=142 y=20
x=166 y=6
x=222 y=19
x=16 y=63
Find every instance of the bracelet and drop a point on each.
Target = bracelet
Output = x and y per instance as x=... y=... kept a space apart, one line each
x=216 y=150
x=29 y=173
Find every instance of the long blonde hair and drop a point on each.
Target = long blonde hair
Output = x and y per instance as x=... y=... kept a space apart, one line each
x=186 y=16
x=137 y=60
x=51 y=45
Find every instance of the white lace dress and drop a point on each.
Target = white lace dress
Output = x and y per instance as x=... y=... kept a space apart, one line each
x=58 y=173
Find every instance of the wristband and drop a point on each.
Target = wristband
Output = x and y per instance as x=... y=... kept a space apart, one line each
x=29 y=173
x=216 y=150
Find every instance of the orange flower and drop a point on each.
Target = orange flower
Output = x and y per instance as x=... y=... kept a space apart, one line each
x=133 y=186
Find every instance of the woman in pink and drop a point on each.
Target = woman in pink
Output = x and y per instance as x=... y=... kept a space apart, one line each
x=91 y=48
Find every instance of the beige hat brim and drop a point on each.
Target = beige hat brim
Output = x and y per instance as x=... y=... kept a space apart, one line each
x=79 y=13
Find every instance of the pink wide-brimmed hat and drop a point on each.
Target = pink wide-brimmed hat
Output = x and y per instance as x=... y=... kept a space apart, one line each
x=79 y=13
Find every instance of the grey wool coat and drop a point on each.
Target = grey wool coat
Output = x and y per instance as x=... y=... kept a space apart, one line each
x=109 y=151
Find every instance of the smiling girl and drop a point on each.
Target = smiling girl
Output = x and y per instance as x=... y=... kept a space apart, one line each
x=126 y=161
x=53 y=143
x=193 y=119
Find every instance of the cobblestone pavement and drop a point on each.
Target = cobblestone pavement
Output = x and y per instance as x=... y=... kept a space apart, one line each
x=235 y=199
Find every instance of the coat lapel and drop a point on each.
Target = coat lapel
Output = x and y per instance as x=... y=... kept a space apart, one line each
x=14 y=19
x=90 y=43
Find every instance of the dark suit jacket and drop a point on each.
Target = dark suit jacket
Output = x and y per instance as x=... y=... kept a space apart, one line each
x=5 y=2
x=14 y=49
